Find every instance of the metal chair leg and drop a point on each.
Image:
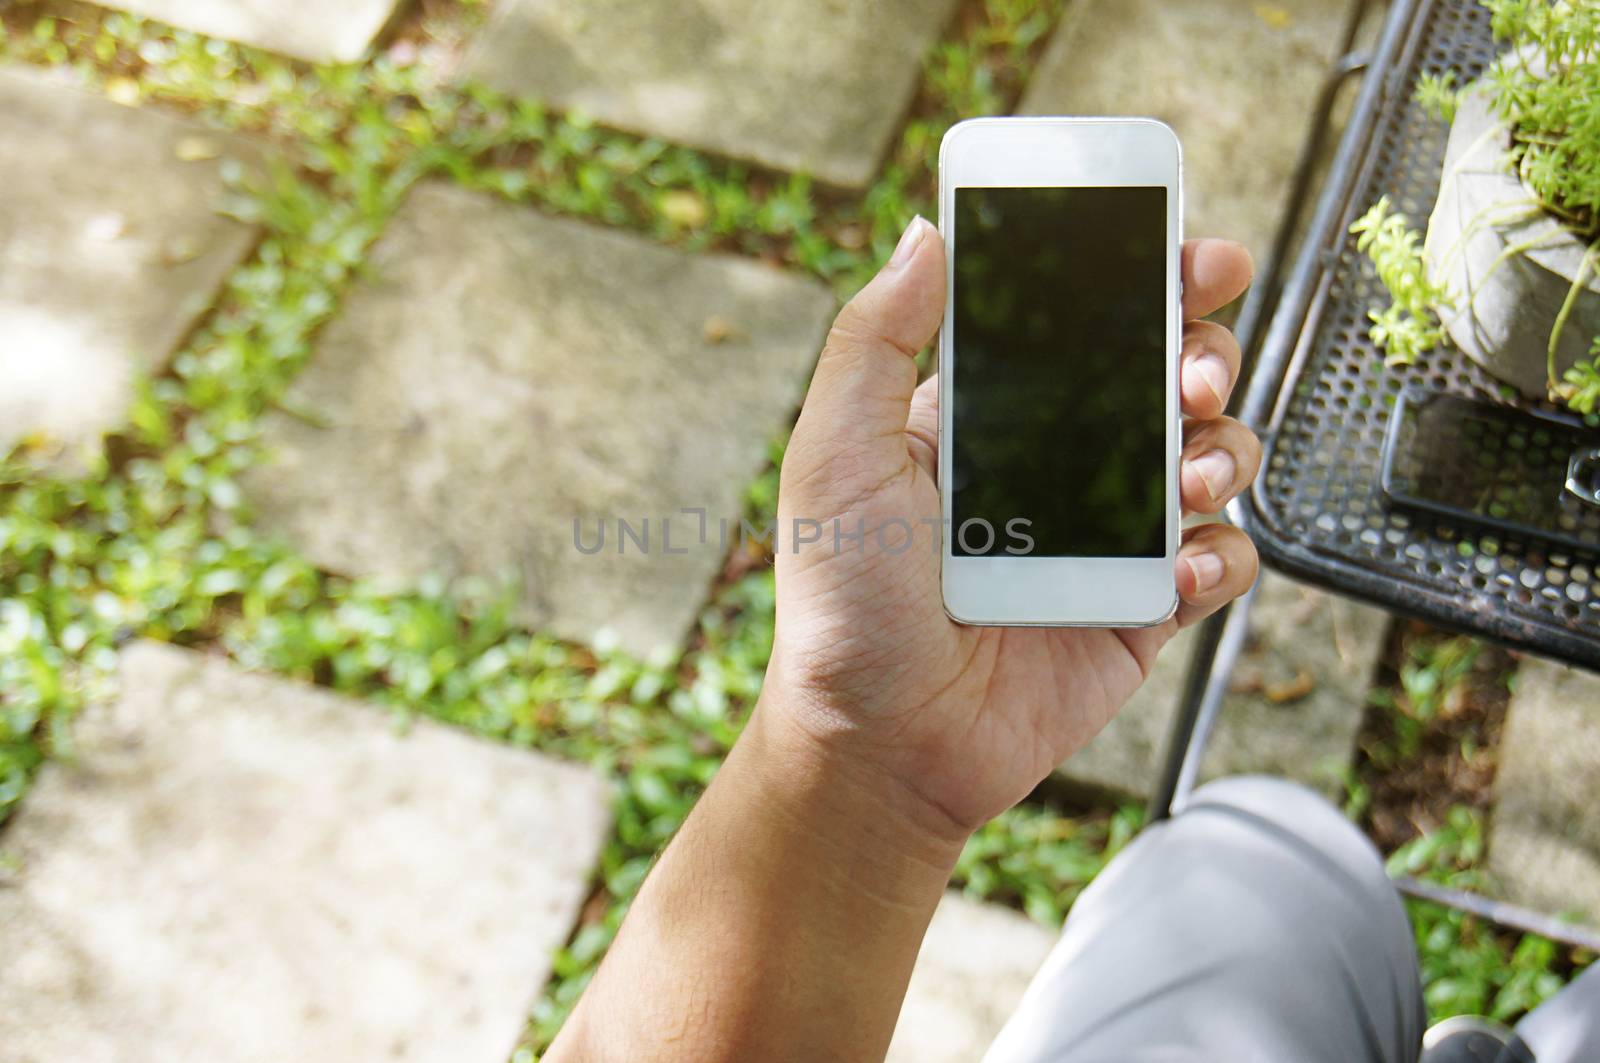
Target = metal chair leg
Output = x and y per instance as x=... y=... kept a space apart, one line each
x=1221 y=639
x=1513 y=916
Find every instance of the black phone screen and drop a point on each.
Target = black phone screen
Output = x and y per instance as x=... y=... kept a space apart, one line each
x=1059 y=357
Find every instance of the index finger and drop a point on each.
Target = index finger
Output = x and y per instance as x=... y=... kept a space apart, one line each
x=1215 y=273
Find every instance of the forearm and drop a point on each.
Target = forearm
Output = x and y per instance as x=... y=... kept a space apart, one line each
x=781 y=923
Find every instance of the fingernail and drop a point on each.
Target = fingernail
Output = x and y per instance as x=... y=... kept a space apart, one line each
x=1207 y=569
x=1214 y=371
x=910 y=240
x=1217 y=469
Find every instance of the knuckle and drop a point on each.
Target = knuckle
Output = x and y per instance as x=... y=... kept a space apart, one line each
x=1235 y=432
x=1206 y=435
x=855 y=334
x=1218 y=339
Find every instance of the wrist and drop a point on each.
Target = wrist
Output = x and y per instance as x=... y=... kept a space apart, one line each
x=871 y=818
x=802 y=884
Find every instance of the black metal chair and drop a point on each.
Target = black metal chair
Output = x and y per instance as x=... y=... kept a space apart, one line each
x=1303 y=331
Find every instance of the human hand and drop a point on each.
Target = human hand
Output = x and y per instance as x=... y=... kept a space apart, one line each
x=803 y=882
x=867 y=670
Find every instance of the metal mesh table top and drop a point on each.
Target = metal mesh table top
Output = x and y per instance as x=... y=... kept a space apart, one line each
x=1317 y=510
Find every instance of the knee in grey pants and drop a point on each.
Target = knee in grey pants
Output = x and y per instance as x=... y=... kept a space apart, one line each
x=1257 y=926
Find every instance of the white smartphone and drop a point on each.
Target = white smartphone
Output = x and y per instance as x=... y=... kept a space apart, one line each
x=1058 y=362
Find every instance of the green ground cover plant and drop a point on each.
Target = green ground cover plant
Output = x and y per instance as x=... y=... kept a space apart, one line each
x=154 y=540
x=1431 y=674
x=1422 y=789
x=1468 y=966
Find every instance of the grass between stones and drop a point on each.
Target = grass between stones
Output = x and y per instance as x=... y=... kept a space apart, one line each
x=1422 y=787
x=1429 y=739
x=153 y=540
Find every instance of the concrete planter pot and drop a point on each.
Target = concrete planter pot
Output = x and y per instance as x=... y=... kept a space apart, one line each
x=1509 y=265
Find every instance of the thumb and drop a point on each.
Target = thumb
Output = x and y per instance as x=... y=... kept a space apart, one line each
x=861 y=392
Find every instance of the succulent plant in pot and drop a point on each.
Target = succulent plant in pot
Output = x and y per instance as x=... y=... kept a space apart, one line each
x=1510 y=268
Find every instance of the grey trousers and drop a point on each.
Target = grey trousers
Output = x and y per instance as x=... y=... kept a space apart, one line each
x=1258 y=925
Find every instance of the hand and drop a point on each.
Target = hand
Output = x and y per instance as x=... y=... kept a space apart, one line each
x=803 y=882
x=867 y=668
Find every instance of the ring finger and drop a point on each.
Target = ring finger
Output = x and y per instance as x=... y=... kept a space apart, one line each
x=1220 y=458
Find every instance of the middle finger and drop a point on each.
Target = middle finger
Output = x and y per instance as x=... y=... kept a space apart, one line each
x=1210 y=366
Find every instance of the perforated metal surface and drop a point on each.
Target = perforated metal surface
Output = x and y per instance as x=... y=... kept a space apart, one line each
x=1318 y=509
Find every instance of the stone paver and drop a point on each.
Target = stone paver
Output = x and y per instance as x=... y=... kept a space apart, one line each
x=237 y=868
x=109 y=251
x=308 y=29
x=1298 y=695
x=816 y=85
x=1544 y=836
x=1236 y=79
x=503 y=373
x=974 y=965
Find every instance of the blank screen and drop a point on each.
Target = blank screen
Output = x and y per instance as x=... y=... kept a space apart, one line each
x=1059 y=350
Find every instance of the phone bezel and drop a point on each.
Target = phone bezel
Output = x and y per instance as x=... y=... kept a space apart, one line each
x=1061 y=152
